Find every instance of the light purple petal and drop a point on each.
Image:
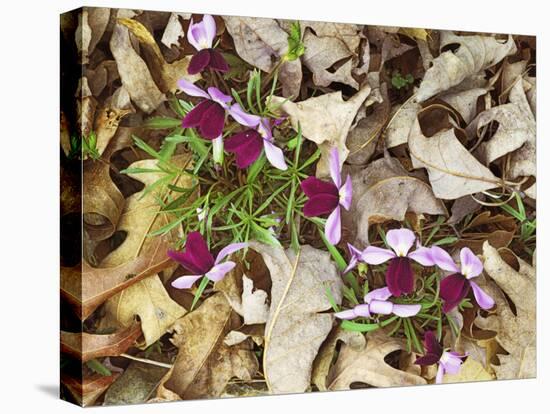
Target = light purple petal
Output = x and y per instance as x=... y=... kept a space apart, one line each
x=362 y=310
x=483 y=299
x=471 y=265
x=354 y=251
x=355 y=255
x=185 y=282
x=334 y=165
x=451 y=363
x=378 y=294
x=219 y=97
x=227 y=250
x=351 y=265
x=346 y=314
x=219 y=271
x=400 y=240
x=190 y=89
x=443 y=260
x=209 y=29
x=242 y=117
x=440 y=372
x=264 y=128
x=345 y=193
x=333 y=230
x=405 y=311
x=422 y=255
x=376 y=255
x=192 y=35
x=275 y=155
x=382 y=307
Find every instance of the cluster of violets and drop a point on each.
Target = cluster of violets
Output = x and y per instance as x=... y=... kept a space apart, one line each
x=400 y=280
x=324 y=198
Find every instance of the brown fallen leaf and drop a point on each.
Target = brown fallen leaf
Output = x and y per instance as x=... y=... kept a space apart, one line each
x=400 y=123
x=325 y=120
x=368 y=365
x=261 y=42
x=516 y=330
x=133 y=70
x=204 y=364
x=323 y=361
x=86 y=106
x=385 y=191
x=295 y=329
x=85 y=346
x=452 y=170
x=465 y=102
x=88 y=389
x=474 y=54
x=149 y=300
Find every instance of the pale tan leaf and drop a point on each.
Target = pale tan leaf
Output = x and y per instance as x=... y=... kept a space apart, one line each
x=295 y=329
x=471 y=370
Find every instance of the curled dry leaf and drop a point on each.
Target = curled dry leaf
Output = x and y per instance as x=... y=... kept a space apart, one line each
x=204 y=364
x=450 y=68
x=295 y=329
x=133 y=71
x=85 y=108
x=464 y=102
x=368 y=365
x=385 y=191
x=173 y=30
x=325 y=120
x=85 y=346
x=452 y=170
x=149 y=300
x=251 y=305
x=261 y=42
x=323 y=361
x=88 y=389
x=401 y=122
x=170 y=73
x=516 y=329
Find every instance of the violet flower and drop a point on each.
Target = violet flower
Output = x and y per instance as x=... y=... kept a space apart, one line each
x=201 y=36
x=326 y=198
x=448 y=362
x=247 y=145
x=199 y=261
x=455 y=287
x=399 y=276
x=377 y=302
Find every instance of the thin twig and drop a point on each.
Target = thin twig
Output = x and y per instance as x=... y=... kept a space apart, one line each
x=147 y=361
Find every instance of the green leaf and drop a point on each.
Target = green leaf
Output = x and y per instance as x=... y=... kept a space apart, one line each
x=296 y=47
x=98 y=367
x=162 y=122
x=264 y=235
x=366 y=327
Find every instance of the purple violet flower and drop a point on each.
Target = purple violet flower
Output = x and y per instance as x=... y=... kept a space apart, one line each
x=247 y=145
x=199 y=261
x=399 y=276
x=448 y=362
x=377 y=302
x=201 y=37
x=209 y=114
x=326 y=198
x=455 y=287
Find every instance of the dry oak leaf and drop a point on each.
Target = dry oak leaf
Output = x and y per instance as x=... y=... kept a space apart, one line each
x=516 y=331
x=204 y=364
x=471 y=370
x=258 y=41
x=368 y=365
x=134 y=72
x=169 y=73
x=251 y=305
x=325 y=120
x=85 y=346
x=400 y=123
x=323 y=361
x=295 y=329
x=452 y=170
x=92 y=22
x=149 y=300
x=450 y=68
x=385 y=191
x=516 y=127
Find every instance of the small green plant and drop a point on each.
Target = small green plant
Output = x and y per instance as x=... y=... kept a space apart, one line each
x=399 y=81
x=89 y=147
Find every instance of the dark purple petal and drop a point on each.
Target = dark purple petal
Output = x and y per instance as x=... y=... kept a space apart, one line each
x=431 y=344
x=184 y=260
x=247 y=147
x=453 y=289
x=197 y=253
x=212 y=121
x=193 y=118
x=312 y=186
x=428 y=359
x=320 y=204
x=199 y=61
x=400 y=276
x=217 y=61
